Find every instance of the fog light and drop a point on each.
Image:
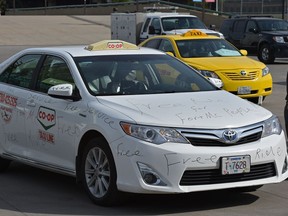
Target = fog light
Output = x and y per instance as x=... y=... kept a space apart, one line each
x=149 y=178
x=149 y=175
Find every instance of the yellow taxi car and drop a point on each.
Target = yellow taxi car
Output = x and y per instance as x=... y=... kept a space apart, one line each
x=215 y=57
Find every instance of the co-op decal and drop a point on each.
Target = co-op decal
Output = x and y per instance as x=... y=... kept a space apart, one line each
x=11 y=101
x=46 y=117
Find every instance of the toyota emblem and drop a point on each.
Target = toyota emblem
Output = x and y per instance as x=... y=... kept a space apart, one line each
x=243 y=73
x=230 y=136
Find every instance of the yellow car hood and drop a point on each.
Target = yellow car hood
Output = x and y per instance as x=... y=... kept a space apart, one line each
x=224 y=63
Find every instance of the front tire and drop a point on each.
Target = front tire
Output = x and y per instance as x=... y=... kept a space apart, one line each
x=256 y=100
x=266 y=54
x=98 y=173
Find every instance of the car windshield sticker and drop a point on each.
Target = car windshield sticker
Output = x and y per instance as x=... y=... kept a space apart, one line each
x=226 y=52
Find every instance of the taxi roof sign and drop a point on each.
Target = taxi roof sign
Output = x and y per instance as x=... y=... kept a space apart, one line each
x=194 y=33
x=111 y=45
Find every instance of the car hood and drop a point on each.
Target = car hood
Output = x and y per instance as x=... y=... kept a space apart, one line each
x=224 y=63
x=211 y=109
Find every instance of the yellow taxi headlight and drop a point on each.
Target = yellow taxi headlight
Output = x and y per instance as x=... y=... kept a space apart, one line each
x=265 y=71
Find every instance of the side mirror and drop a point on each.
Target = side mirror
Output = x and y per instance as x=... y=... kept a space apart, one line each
x=212 y=27
x=151 y=30
x=63 y=91
x=244 y=52
x=171 y=54
x=253 y=30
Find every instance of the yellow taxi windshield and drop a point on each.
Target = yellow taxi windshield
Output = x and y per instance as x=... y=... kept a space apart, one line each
x=206 y=48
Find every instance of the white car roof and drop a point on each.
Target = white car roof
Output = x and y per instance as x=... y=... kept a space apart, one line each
x=163 y=15
x=82 y=50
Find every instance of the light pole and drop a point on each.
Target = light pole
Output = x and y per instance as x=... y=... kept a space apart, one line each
x=45 y=6
x=283 y=8
x=14 y=6
x=84 y=7
x=137 y=6
x=262 y=7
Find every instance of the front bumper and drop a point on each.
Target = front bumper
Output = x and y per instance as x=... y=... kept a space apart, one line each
x=259 y=86
x=180 y=166
x=280 y=50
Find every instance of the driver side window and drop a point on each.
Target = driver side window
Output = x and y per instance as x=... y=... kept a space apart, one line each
x=20 y=73
x=251 y=25
x=166 y=46
x=53 y=72
x=156 y=25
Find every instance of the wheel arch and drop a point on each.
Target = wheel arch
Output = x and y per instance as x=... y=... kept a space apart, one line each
x=85 y=138
x=261 y=43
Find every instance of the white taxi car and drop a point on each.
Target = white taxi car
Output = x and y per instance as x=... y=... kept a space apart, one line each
x=123 y=118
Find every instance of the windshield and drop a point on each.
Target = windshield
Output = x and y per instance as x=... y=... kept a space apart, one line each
x=206 y=48
x=139 y=74
x=273 y=25
x=171 y=23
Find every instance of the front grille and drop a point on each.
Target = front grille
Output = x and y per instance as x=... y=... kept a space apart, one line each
x=236 y=76
x=210 y=137
x=210 y=142
x=214 y=176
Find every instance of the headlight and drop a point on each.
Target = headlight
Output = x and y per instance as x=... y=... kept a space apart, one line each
x=207 y=73
x=216 y=82
x=265 y=71
x=279 y=39
x=156 y=135
x=271 y=126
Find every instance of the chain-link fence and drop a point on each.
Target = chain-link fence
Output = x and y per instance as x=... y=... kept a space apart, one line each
x=246 y=7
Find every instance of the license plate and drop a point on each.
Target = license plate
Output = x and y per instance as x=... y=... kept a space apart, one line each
x=235 y=164
x=244 y=90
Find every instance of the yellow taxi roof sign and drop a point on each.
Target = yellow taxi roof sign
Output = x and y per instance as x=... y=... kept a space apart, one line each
x=194 y=33
x=111 y=45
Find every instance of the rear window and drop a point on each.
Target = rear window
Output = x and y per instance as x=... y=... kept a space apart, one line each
x=170 y=23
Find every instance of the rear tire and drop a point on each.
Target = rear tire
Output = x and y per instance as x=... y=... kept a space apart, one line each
x=266 y=54
x=98 y=173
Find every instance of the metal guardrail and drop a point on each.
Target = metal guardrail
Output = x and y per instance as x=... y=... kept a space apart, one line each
x=115 y=4
x=189 y=7
x=86 y=5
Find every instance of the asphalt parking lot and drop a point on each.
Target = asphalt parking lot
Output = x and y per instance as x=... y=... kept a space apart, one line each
x=32 y=192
